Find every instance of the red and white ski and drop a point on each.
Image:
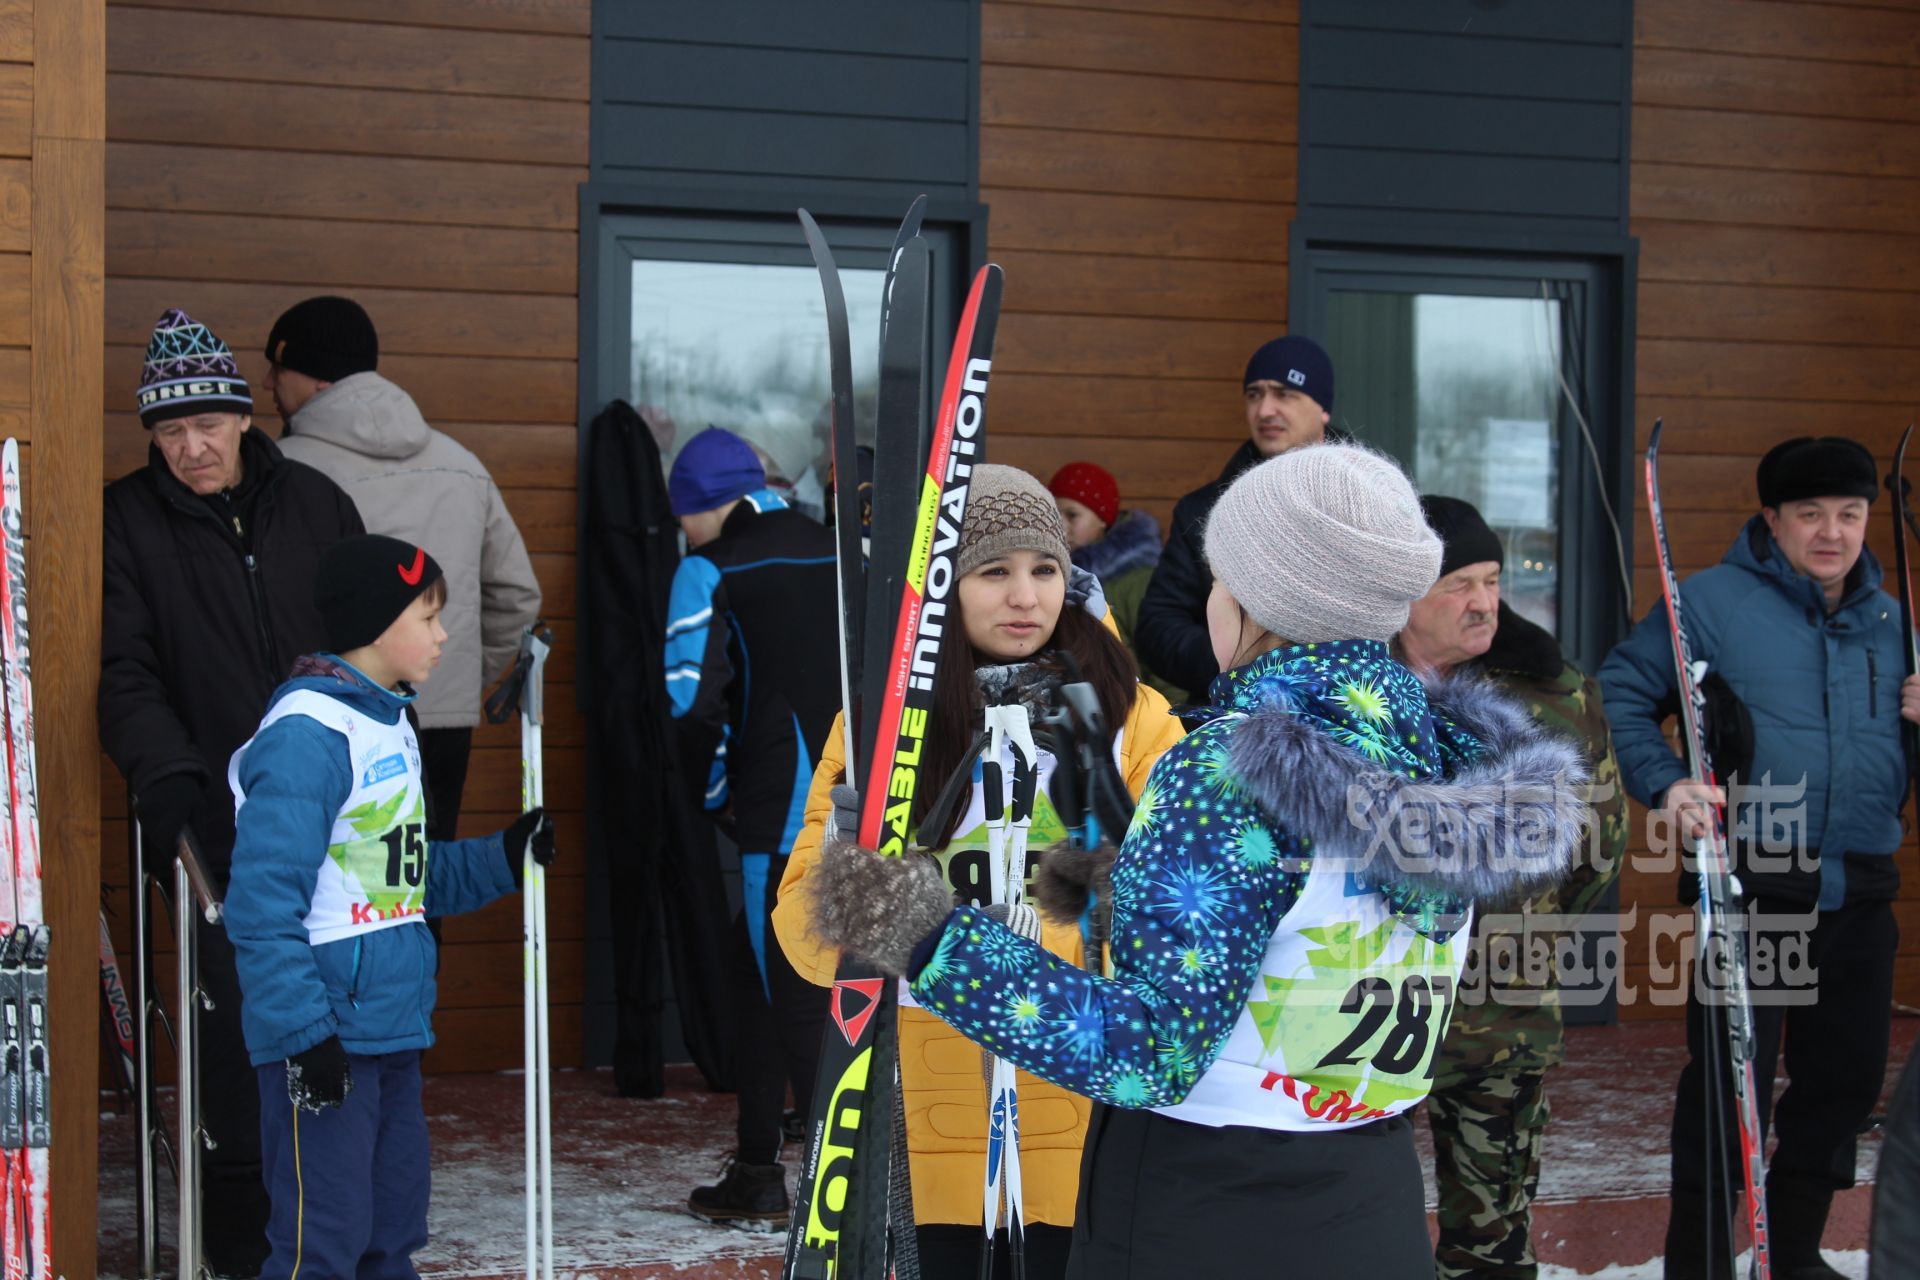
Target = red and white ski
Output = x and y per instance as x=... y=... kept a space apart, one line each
x=26 y=1127
x=1721 y=923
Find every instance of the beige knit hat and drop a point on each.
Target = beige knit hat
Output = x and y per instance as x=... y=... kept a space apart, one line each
x=1324 y=543
x=1009 y=510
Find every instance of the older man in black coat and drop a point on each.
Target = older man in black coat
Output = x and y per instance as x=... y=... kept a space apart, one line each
x=211 y=552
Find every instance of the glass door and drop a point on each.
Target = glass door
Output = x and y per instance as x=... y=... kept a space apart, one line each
x=1462 y=388
x=1481 y=376
x=1489 y=381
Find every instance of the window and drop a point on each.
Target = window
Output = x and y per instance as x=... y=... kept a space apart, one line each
x=713 y=318
x=744 y=346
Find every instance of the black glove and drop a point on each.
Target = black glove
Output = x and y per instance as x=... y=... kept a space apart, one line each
x=163 y=808
x=320 y=1076
x=531 y=832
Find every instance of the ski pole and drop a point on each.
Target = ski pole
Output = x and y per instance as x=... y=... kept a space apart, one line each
x=1009 y=730
x=535 y=644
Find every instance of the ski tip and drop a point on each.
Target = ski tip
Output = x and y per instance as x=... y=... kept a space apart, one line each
x=1653 y=438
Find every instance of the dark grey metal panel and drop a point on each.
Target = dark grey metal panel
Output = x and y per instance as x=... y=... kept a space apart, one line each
x=1383 y=58
x=1458 y=115
x=868 y=97
x=783 y=143
x=1455 y=183
x=1439 y=122
x=1601 y=22
x=927 y=28
x=683 y=75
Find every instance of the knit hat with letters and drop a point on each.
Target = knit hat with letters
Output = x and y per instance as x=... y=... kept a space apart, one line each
x=188 y=370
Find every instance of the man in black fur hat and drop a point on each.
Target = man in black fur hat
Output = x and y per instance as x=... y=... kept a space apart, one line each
x=1488 y=1108
x=1795 y=622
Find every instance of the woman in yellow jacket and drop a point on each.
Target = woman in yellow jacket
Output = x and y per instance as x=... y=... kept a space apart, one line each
x=1017 y=622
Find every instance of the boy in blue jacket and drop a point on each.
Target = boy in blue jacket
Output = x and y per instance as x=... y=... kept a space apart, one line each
x=333 y=878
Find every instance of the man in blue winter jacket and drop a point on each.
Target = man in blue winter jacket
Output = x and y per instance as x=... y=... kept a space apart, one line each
x=1805 y=645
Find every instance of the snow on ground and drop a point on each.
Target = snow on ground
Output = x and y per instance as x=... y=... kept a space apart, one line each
x=1849 y=1263
x=623 y=1168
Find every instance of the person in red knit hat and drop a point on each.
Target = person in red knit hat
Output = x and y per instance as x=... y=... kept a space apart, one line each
x=1118 y=547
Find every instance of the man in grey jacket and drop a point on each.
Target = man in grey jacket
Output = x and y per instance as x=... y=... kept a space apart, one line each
x=409 y=481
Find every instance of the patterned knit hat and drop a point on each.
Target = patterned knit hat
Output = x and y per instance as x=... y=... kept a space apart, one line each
x=1009 y=510
x=188 y=370
x=1324 y=543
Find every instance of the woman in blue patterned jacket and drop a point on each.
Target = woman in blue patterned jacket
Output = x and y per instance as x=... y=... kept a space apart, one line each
x=1288 y=909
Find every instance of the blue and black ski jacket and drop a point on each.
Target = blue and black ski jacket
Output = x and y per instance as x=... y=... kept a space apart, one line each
x=753 y=668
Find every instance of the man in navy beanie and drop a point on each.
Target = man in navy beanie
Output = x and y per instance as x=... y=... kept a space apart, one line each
x=753 y=681
x=1287 y=392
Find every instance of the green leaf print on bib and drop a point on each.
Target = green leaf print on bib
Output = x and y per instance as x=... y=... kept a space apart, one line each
x=964 y=860
x=1354 y=1020
x=388 y=864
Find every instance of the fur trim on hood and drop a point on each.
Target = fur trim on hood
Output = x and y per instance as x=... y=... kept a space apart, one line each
x=1132 y=543
x=1496 y=831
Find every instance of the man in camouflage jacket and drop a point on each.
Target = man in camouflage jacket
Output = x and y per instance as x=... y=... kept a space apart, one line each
x=1488 y=1108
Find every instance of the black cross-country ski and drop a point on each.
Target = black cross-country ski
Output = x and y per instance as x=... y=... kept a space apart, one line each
x=840 y=1227
x=899 y=460
x=909 y=229
x=1721 y=924
x=846 y=473
x=861 y=1029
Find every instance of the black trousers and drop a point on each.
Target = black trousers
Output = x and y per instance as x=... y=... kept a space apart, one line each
x=951 y=1251
x=443 y=758
x=1835 y=1042
x=234 y=1190
x=776 y=1043
x=1165 y=1198
x=1896 y=1186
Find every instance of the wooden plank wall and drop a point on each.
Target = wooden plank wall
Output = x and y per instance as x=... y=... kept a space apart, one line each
x=52 y=146
x=1776 y=196
x=1138 y=160
x=423 y=157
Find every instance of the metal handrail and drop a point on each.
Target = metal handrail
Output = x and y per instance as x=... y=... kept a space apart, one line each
x=191 y=885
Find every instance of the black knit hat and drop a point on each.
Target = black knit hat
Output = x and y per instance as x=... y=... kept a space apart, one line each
x=1817 y=467
x=1463 y=532
x=325 y=338
x=365 y=583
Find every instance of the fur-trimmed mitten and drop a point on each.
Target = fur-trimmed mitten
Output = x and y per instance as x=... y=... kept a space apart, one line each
x=876 y=907
x=1069 y=879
